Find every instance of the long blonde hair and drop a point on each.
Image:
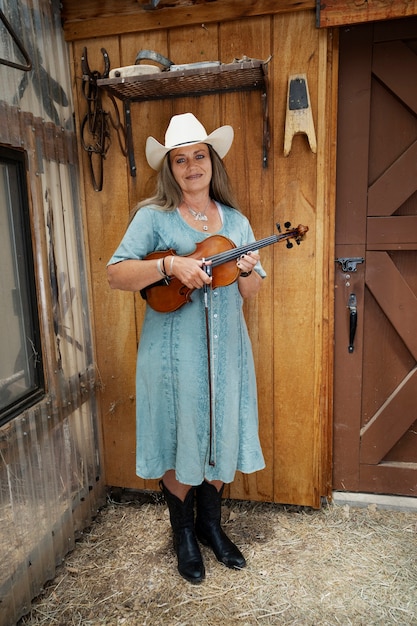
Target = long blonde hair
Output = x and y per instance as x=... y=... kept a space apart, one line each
x=168 y=195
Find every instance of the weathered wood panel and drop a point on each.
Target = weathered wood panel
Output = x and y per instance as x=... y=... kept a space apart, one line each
x=290 y=321
x=300 y=197
x=106 y=217
x=254 y=187
x=341 y=12
x=375 y=417
x=91 y=20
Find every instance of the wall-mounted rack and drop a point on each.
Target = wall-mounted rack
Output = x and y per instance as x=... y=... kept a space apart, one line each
x=248 y=75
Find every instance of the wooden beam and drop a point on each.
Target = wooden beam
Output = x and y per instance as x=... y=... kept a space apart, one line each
x=129 y=17
x=340 y=12
x=389 y=478
x=394 y=295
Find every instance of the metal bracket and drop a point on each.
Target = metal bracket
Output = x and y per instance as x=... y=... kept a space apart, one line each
x=349 y=263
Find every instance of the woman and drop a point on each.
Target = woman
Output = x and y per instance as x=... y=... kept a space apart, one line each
x=193 y=432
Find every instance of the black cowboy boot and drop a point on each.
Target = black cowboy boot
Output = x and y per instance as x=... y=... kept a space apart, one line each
x=181 y=514
x=208 y=529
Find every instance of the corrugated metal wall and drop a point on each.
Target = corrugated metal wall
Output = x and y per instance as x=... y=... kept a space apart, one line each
x=51 y=481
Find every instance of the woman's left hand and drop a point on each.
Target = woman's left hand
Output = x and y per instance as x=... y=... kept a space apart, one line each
x=246 y=262
x=249 y=281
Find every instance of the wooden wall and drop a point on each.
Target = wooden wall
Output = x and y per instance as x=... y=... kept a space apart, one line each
x=290 y=322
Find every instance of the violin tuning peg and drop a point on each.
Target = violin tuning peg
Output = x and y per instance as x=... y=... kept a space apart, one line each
x=297 y=241
x=289 y=244
x=287 y=224
x=278 y=227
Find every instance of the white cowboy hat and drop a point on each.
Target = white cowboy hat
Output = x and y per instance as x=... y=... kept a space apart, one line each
x=186 y=130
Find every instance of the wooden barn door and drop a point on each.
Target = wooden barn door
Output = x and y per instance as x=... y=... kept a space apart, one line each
x=375 y=400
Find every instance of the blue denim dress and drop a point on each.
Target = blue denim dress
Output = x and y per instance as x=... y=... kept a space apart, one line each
x=172 y=386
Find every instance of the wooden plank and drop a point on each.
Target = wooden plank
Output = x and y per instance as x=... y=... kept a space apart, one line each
x=389 y=478
x=148 y=118
x=405 y=450
x=255 y=194
x=382 y=433
x=348 y=383
x=394 y=295
x=327 y=86
x=106 y=218
x=330 y=208
x=298 y=324
x=387 y=57
x=352 y=160
x=73 y=10
x=340 y=12
x=128 y=17
x=393 y=233
x=392 y=246
x=381 y=345
x=395 y=185
x=153 y=118
x=353 y=131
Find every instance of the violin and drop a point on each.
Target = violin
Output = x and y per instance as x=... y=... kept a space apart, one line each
x=168 y=295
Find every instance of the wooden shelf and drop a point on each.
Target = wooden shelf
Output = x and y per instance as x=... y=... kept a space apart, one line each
x=248 y=75
x=244 y=76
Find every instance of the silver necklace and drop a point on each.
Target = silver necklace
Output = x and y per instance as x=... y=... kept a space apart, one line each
x=199 y=216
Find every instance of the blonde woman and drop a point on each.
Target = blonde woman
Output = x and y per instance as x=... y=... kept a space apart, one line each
x=196 y=425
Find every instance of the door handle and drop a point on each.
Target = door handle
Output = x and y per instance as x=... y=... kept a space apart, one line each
x=353 y=320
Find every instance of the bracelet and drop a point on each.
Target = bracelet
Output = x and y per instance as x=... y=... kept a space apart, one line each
x=162 y=272
x=245 y=274
x=163 y=267
x=158 y=267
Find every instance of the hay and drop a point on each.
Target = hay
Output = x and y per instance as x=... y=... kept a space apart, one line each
x=338 y=565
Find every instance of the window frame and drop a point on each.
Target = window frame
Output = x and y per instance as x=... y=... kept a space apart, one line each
x=14 y=157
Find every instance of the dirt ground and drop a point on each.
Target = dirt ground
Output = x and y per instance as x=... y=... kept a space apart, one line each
x=339 y=565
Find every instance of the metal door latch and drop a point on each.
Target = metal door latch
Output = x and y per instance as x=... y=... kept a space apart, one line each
x=349 y=264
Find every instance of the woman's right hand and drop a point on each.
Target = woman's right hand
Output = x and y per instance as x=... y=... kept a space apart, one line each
x=189 y=271
x=135 y=275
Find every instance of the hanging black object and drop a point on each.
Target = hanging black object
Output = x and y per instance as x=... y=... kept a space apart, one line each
x=16 y=40
x=95 y=125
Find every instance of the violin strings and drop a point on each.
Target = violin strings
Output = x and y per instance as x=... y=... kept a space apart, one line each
x=234 y=253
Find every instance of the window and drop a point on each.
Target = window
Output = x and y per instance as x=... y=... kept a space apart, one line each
x=21 y=373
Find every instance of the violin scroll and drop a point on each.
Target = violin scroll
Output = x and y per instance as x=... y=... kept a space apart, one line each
x=296 y=233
